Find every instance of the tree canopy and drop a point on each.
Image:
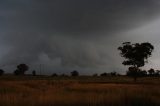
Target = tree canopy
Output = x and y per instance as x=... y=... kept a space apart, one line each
x=1 y=72
x=136 y=54
x=74 y=73
x=21 y=69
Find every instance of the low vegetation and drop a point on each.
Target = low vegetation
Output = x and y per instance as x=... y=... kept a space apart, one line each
x=79 y=91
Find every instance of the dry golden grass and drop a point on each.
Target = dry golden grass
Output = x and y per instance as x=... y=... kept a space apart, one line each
x=76 y=93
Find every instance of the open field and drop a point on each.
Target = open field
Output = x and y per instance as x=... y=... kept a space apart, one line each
x=79 y=91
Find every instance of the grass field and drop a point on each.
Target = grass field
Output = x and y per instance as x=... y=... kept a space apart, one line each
x=79 y=91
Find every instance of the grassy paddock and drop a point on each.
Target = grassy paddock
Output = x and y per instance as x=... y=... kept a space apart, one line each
x=79 y=91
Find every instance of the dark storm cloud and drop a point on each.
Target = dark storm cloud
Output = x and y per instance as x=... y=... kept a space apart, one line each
x=69 y=33
x=79 y=16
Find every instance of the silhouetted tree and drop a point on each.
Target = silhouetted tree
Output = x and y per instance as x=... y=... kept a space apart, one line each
x=74 y=73
x=157 y=73
x=64 y=75
x=34 y=73
x=16 y=72
x=95 y=75
x=143 y=73
x=151 y=72
x=1 y=72
x=21 y=69
x=54 y=75
x=113 y=73
x=103 y=74
x=133 y=72
x=136 y=55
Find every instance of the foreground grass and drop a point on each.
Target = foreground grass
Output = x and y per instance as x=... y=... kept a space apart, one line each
x=86 y=91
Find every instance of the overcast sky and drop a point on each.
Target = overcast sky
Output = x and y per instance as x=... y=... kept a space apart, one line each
x=83 y=35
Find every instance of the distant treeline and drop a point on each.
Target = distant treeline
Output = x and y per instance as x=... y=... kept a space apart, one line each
x=22 y=68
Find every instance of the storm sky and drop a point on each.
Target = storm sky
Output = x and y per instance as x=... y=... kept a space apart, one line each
x=83 y=35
